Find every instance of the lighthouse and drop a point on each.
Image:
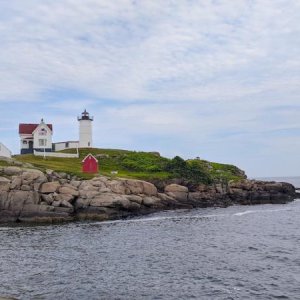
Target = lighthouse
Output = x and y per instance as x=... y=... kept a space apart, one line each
x=85 y=130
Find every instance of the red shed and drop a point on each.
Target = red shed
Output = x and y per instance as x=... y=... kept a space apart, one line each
x=90 y=164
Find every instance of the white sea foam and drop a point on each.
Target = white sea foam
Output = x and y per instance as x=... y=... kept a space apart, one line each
x=177 y=217
x=5 y=228
x=260 y=211
x=159 y=218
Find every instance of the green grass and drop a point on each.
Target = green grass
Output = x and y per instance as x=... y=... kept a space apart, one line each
x=4 y=163
x=225 y=172
x=66 y=165
x=129 y=164
x=138 y=165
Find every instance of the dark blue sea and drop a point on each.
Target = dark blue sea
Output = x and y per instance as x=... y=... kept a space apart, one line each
x=239 y=252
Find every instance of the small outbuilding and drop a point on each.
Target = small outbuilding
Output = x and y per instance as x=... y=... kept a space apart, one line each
x=4 y=151
x=90 y=164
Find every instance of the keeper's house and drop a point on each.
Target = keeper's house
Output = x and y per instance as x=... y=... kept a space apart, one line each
x=35 y=137
x=4 y=151
x=38 y=137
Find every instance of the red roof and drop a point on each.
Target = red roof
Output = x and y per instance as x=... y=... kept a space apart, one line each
x=90 y=156
x=29 y=128
x=90 y=164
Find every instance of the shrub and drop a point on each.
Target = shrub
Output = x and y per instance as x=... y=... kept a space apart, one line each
x=193 y=170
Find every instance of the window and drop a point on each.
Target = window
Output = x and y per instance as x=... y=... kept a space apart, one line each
x=43 y=131
x=42 y=142
x=25 y=142
x=67 y=145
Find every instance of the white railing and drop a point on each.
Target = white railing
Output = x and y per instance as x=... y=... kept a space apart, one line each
x=55 y=154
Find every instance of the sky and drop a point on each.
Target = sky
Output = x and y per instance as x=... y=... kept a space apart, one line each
x=214 y=79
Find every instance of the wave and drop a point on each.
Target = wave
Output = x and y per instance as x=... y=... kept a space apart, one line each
x=159 y=218
x=175 y=218
x=260 y=211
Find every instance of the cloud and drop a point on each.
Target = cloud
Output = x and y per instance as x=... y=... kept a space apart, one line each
x=204 y=74
x=124 y=50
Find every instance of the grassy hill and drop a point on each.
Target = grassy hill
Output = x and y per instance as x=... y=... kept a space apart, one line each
x=139 y=165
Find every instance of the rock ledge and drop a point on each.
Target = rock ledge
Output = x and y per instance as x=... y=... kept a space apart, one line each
x=29 y=195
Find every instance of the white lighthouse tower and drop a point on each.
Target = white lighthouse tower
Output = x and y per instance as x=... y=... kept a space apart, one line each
x=85 y=130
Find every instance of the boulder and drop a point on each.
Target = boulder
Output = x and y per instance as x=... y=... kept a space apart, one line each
x=87 y=186
x=104 y=190
x=167 y=200
x=49 y=187
x=176 y=188
x=33 y=197
x=134 y=186
x=10 y=171
x=110 y=200
x=4 y=201
x=48 y=198
x=4 y=184
x=31 y=175
x=49 y=172
x=139 y=187
x=25 y=187
x=68 y=210
x=75 y=183
x=179 y=192
x=56 y=203
x=82 y=203
x=88 y=194
x=45 y=216
x=135 y=198
x=125 y=204
x=238 y=195
x=15 y=201
x=220 y=188
x=201 y=188
x=65 y=203
x=8 y=216
x=259 y=197
x=152 y=202
x=69 y=191
x=16 y=183
x=279 y=187
x=97 y=213
x=37 y=208
x=149 y=189
x=102 y=178
x=242 y=185
x=63 y=197
x=98 y=183
x=133 y=207
x=37 y=186
x=118 y=186
x=61 y=175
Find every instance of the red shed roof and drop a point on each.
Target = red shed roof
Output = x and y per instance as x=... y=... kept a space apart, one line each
x=29 y=128
x=90 y=156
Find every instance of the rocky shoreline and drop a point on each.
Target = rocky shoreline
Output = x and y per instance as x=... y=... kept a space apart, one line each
x=29 y=195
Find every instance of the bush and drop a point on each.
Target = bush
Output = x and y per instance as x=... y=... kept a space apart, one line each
x=193 y=170
x=198 y=172
x=141 y=161
x=177 y=166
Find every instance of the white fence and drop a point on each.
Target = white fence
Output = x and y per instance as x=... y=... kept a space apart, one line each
x=55 y=154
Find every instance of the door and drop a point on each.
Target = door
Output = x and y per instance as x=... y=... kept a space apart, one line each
x=30 y=146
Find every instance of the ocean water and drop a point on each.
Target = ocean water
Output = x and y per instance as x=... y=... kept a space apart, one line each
x=239 y=252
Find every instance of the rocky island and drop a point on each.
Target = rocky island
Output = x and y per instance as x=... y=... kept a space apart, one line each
x=31 y=194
